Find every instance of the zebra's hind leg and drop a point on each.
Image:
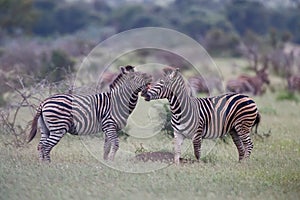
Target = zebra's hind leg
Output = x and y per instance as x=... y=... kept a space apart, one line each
x=40 y=146
x=44 y=135
x=243 y=132
x=248 y=144
x=238 y=143
x=50 y=142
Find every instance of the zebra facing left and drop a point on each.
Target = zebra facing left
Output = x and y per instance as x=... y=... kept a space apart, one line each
x=212 y=117
x=88 y=114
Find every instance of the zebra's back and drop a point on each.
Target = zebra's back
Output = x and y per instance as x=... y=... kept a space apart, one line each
x=77 y=114
x=220 y=114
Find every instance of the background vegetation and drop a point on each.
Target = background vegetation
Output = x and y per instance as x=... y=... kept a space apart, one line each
x=196 y=18
x=39 y=36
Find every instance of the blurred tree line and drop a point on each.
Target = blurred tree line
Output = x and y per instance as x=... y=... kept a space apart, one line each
x=57 y=31
x=197 y=18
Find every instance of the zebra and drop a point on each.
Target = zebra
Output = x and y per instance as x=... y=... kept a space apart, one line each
x=87 y=114
x=211 y=117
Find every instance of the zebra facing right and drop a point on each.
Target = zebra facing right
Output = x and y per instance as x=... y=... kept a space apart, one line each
x=87 y=114
x=212 y=117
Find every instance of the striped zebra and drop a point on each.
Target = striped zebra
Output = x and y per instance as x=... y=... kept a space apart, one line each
x=87 y=114
x=212 y=117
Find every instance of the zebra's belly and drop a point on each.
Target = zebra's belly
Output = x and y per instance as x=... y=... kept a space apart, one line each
x=85 y=128
x=213 y=132
x=186 y=130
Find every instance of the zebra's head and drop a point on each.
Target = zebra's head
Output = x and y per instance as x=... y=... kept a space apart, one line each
x=139 y=81
x=131 y=79
x=166 y=86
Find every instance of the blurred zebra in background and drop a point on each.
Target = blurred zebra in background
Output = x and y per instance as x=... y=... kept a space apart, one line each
x=294 y=83
x=213 y=117
x=207 y=85
x=80 y=115
x=249 y=84
x=252 y=84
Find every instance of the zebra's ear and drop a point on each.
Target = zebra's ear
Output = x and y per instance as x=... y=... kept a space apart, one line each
x=127 y=69
x=174 y=73
x=122 y=69
x=168 y=70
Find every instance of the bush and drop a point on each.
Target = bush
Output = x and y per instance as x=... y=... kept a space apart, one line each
x=57 y=67
x=219 y=42
x=167 y=126
x=61 y=17
x=286 y=95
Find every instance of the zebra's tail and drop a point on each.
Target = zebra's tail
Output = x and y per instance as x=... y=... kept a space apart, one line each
x=256 y=122
x=34 y=124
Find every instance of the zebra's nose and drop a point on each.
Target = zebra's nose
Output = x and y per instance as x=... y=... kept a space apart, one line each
x=147 y=97
x=148 y=86
x=145 y=94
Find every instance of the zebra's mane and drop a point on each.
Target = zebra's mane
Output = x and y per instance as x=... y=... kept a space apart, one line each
x=183 y=82
x=124 y=70
x=116 y=81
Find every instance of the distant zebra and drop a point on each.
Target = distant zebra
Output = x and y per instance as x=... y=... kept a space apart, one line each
x=294 y=83
x=213 y=117
x=86 y=114
x=250 y=84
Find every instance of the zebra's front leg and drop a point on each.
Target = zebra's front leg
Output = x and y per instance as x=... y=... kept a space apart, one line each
x=107 y=146
x=177 y=150
x=111 y=144
x=114 y=148
x=197 y=139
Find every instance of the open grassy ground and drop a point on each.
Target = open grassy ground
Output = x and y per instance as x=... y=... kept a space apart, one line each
x=273 y=171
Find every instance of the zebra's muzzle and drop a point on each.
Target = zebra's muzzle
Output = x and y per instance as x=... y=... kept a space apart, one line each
x=145 y=93
x=147 y=97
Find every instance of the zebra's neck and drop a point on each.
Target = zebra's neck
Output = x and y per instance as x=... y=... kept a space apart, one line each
x=178 y=99
x=124 y=101
x=180 y=104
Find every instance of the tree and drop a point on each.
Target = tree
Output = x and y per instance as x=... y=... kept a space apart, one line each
x=61 y=17
x=59 y=65
x=244 y=15
x=133 y=16
x=219 y=42
x=16 y=16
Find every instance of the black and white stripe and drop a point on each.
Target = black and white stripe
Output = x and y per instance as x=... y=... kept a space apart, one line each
x=213 y=117
x=87 y=114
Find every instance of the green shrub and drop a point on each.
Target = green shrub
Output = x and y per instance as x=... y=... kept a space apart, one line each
x=167 y=126
x=286 y=95
x=57 y=67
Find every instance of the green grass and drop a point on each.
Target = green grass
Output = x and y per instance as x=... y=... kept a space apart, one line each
x=76 y=170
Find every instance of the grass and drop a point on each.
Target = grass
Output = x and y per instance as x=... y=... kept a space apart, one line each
x=77 y=172
x=286 y=95
x=272 y=172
